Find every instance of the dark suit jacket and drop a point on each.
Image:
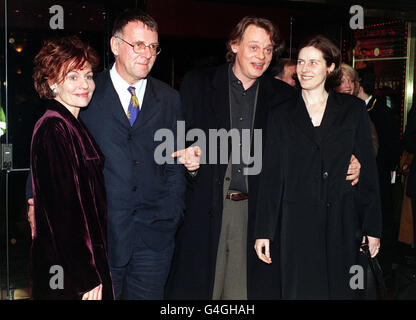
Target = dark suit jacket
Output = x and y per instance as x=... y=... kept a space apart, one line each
x=70 y=208
x=143 y=197
x=313 y=215
x=205 y=101
x=388 y=155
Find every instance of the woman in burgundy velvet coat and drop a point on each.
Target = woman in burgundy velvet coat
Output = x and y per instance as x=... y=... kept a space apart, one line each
x=69 y=248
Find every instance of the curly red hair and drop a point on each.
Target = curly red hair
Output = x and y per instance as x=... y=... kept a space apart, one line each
x=57 y=58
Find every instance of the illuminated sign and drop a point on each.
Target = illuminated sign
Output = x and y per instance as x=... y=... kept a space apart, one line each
x=384 y=40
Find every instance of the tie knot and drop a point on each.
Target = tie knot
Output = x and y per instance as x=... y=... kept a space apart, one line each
x=132 y=90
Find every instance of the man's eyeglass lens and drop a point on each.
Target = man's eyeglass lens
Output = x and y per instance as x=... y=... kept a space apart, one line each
x=141 y=46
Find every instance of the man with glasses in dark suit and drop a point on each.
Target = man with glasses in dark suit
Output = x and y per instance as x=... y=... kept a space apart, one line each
x=145 y=199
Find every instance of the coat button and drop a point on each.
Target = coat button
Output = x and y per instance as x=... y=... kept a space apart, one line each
x=134 y=188
x=325 y=175
x=328 y=204
x=227 y=179
x=129 y=137
x=135 y=162
x=134 y=212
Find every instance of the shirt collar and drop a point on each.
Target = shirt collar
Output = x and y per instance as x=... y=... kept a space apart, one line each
x=368 y=100
x=119 y=82
x=235 y=82
x=121 y=86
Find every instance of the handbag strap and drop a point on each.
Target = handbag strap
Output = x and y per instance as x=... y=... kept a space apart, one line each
x=376 y=271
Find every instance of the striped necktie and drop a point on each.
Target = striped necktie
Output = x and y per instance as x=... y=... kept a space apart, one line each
x=133 y=109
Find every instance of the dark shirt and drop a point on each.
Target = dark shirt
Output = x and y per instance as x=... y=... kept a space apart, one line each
x=242 y=109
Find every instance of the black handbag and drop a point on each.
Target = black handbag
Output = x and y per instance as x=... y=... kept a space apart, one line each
x=375 y=286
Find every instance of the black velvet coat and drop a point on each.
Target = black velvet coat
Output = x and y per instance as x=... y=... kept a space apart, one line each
x=70 y=208
x=314 y=216
x=205 y=102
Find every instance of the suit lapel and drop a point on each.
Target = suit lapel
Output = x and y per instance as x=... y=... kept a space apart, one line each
x=267 y=97
x=261 y=107
x=150 y=105
x=111 y=100
x=220 y=100
x=332 y=111
x=300 y=116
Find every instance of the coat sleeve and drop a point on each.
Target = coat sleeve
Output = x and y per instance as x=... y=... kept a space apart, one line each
x=175 y=173
x=368 y=194
x=59 y=207
x=270 y=193
x=186 y=93
x=188 y=111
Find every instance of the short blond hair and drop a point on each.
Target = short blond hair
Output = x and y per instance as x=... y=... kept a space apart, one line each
x=349 y=71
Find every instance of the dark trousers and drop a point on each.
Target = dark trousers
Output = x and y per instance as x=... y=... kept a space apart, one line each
x=144 y=276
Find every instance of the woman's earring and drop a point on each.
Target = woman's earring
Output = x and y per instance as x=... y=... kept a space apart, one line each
x=54 y=92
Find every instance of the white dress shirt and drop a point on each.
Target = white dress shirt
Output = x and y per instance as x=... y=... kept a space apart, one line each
x=121 y=87
x=368 y=100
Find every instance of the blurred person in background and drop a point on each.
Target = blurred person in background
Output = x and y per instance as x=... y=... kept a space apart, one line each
x=350 y=84
x=388 y=158
x=285 y=70
x=349 y=81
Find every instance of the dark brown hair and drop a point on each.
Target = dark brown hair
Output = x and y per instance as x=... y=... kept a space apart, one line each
x=129 y=15
x=367 y=79
x=237 y=34
x=57 y=58
x=331 y=54
x=278 y=68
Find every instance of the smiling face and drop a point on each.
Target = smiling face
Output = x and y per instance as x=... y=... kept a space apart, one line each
x=132 y=66
x=253 y=54
x=76 y=89
x=347 y=85
x=312 y=69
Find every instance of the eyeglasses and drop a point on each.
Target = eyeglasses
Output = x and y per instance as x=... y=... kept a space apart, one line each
x=139 y=47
